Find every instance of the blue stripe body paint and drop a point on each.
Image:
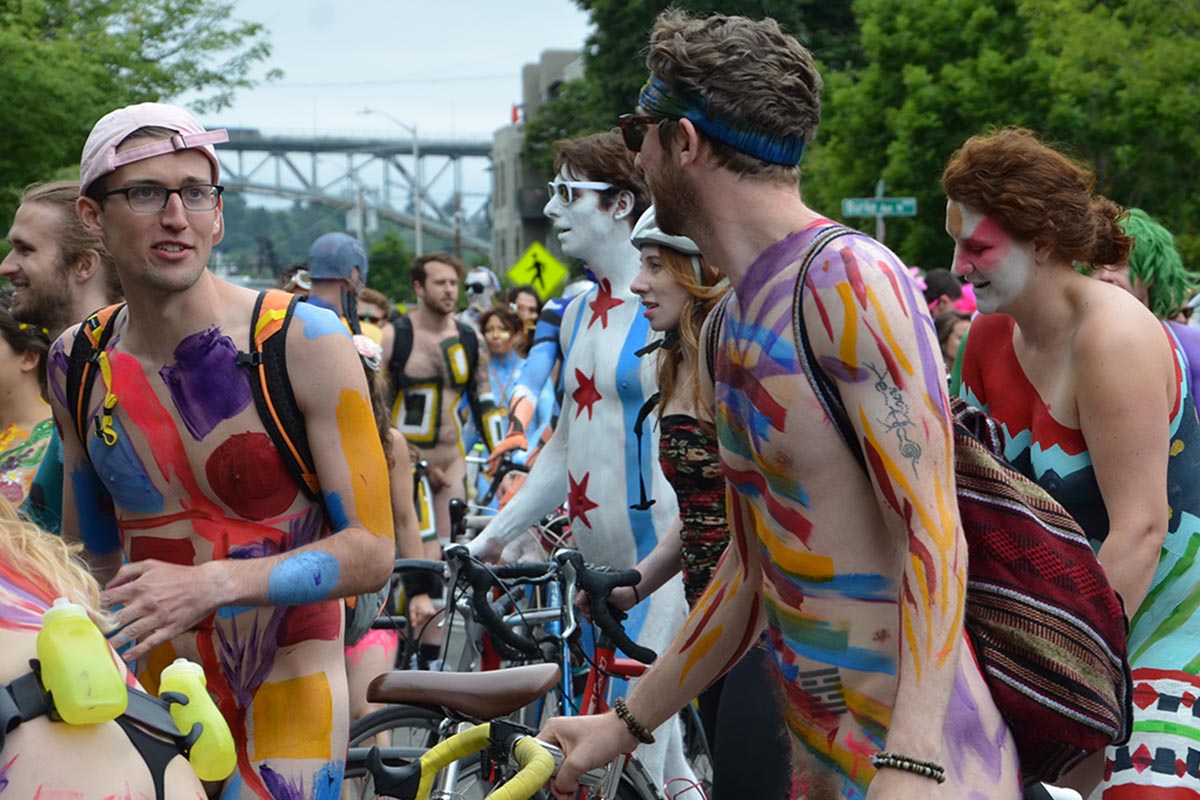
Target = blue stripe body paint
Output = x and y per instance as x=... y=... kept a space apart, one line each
x=306 y=577
x=97 y=522
x=319 y=321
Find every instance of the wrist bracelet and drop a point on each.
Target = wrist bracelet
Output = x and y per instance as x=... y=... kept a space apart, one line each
x=636 y=728
x=637 y=596
x=927 y=769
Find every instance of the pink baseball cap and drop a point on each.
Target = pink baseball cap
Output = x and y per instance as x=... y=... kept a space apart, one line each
x=100 y=155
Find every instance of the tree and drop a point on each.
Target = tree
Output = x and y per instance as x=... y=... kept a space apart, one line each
x=615 y=60
x=65 y=63
x=391 y=267
x=1111 y=82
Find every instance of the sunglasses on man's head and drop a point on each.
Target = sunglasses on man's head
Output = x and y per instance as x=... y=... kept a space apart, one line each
x=565 y=190
x=633 y=129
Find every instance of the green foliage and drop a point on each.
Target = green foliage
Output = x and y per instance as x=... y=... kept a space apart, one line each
x=1112 y=83
x=615 y=60
x=66 y=63
x=391 y=267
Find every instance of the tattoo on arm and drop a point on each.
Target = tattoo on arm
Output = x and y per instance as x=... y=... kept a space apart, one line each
x=898 y=419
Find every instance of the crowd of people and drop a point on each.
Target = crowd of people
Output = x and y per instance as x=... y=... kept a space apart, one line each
x=225 y=476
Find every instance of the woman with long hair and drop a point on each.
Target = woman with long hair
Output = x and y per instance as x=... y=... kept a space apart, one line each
x=1090 y=389
x=741 y=719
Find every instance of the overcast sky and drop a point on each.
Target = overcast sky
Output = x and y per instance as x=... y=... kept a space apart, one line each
x=451 y=67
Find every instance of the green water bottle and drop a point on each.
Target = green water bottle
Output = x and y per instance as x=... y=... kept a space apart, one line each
x=213 y=755
x=78 y=667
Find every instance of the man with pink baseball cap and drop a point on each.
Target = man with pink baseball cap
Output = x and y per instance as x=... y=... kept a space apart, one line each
x=208 y=547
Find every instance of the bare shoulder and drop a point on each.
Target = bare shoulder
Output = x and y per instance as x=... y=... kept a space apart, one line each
x=1113 y=325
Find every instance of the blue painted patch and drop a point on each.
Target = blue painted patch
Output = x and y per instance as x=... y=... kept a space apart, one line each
x=123 y=474
x=337 y=511
x=319 y=322
x=327 y=783
x=233 y=787
x=303 y=578
x=97 y=521
x=226 y=612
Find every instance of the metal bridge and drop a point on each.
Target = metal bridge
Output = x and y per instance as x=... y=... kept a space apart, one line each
x=376 y=178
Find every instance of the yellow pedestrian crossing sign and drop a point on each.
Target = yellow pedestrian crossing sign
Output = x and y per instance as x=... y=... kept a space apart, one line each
x=539 y=269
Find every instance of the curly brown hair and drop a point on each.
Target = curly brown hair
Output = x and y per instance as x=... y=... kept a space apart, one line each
x=1038 y=194
x=747 y=70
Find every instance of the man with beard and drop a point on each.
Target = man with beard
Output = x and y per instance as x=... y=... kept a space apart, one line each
x=859 y=580
x=209 y=549
x=434 y=362
x=61 y=273
x=619 y=501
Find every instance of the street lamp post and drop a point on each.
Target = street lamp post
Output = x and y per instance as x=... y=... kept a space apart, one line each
x=416 y=152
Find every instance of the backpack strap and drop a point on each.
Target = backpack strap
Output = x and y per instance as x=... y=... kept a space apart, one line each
x=401 y=350
x=272 y=390
x=822 y=385
x=84 y=360
x=712 y=339
x=20 y=701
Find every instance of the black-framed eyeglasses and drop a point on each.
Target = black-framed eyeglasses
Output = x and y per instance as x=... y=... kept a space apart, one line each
x=565 y=190
x=633 y=129
x=153 y=199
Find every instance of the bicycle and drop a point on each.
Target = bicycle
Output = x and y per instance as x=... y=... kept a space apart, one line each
x=422 y=710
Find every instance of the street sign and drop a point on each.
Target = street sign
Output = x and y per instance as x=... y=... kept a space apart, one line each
x=879 y=207
x=539 y=269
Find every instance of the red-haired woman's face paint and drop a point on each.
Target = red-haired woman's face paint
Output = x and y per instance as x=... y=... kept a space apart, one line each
x=988 y=257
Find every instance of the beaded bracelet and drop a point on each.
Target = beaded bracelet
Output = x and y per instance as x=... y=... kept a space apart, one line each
x=927 y=769
x=636 y=728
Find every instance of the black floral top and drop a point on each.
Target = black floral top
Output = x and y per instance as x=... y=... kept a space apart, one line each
x=689 y=457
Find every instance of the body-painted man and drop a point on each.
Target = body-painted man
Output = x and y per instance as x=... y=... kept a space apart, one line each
x=229 y=563
x=608 y=474
x=859 y=580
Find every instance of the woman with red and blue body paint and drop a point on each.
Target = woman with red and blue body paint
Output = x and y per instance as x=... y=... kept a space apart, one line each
x=1093 y=394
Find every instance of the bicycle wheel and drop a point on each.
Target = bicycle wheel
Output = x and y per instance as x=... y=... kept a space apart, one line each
x=695 y=747
x=411 y=730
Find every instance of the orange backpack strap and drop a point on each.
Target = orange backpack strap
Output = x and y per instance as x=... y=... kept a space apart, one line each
x=272 y=390
x=82 y=364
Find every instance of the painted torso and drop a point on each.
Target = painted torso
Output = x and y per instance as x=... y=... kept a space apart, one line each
x=1165 y=630
x=426 y=411
x=193 y=477
x=607 y=384
x=831 y=577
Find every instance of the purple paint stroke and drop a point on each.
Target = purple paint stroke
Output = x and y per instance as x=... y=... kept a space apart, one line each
x=206 y=383
x=840 y=371
x=280 y=787
x=247 y=664
x=965 y=733
x=57 y=367
x=776 y=257
x=20 y=607
x=4 y=772
x=931 y=358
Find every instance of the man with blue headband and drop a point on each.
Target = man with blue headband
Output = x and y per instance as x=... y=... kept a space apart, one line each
x=857 y=575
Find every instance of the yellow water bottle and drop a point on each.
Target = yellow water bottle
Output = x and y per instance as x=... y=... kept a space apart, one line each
x=77 y=666
x=213 y=756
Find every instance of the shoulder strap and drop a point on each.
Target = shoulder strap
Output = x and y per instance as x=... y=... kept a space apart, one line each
x=821 y=384
x=401 y=350
x=90 y=340
x=272 y=390
x=712 y=341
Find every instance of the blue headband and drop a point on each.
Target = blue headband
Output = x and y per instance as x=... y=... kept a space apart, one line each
x=658 y=100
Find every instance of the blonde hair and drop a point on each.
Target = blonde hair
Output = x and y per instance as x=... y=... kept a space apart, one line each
x=50 y=563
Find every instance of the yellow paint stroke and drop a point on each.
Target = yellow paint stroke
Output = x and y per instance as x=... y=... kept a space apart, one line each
x=849 y=341
x=808 y=565
x=365 y=460
x=1176 y=447
x=897 y=351
x=293 y=719
x=699 y=650
x=865 y=707
x=847 y=761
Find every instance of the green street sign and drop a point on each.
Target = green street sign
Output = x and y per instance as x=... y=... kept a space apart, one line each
x=879 y=207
